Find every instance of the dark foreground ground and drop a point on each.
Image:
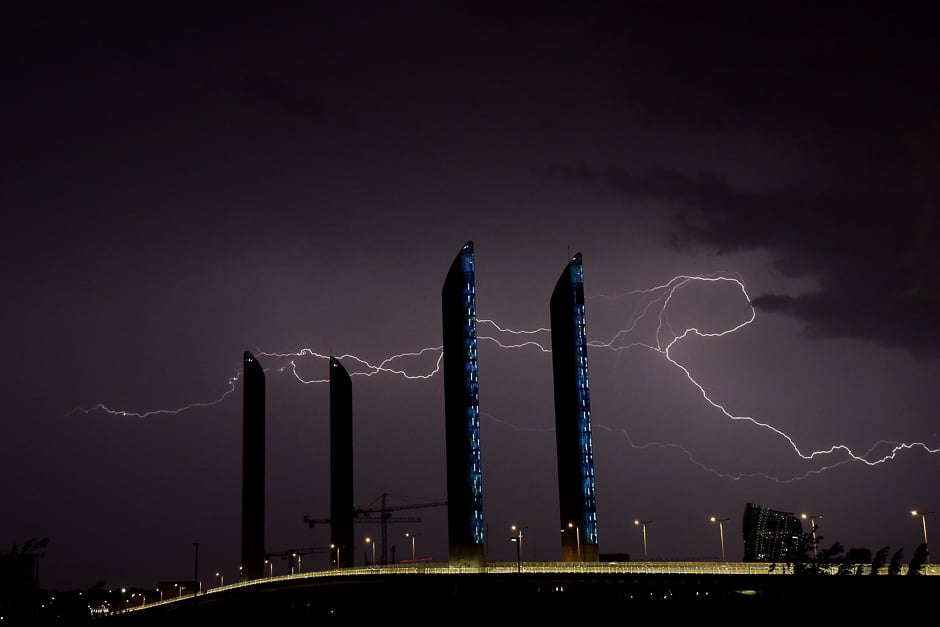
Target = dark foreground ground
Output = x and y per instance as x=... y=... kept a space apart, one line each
x=498 y=599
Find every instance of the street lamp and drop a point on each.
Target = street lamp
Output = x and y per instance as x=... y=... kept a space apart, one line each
x=721 y=533
x=577 y=537
x=160 y=590
x=221 y=579
x=336 y=546
x=196 y=568
x=369 y=541
x=812 y=523
x=923 y=517
x=412 y=536
x=270 y=567
x=643 y=524
x=519 y=536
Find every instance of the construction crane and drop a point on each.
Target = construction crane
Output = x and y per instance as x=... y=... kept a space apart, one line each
x=362 y=515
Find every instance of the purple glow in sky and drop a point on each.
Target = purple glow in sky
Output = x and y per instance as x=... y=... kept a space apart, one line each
x=754 y=195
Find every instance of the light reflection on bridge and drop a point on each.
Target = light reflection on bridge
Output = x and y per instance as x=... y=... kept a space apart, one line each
x=540 y=568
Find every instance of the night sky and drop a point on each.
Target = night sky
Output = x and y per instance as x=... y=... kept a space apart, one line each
x=755 y=196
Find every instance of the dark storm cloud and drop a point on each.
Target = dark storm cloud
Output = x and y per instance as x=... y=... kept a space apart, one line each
x=855 y=89
x=271 y=91
x=194 y=47
x=871 y=250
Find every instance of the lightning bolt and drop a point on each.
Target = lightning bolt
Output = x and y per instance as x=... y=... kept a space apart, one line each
x=158 y=412
x=653 y=302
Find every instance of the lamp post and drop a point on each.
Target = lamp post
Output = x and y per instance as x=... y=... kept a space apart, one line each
x=221 y=579
x=369 y=541
x=519 y=546
x=270 y=565
x=160 y=590
x=923 y=517
x=721 y=533
x=812 y=524
x=336 y=546
x=643 y=524
x=577 y=537
x=412 y=536
x=196 y=569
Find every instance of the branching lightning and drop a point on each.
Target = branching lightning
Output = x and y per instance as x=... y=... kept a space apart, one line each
x=654 y=301
x=158 y=412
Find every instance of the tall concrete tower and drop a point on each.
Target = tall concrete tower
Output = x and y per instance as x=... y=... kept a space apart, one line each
x=573 y=437
x=462 y=412
x=343 y=550
x=253 y=404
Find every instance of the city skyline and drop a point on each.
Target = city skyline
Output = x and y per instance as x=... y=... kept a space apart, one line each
x=752 y=193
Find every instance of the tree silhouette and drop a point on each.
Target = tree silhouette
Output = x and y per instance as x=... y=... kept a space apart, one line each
x=894 y=568
x=801 y=556
x=31 y=546
x=919 y=560
x=853 y=560
x=818 y=563
x=880 y=559
x=830 y=557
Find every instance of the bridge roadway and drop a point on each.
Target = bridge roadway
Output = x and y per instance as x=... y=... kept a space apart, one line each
x=429 y=593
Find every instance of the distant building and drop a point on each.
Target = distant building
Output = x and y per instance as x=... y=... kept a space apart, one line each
x=770 y=535
x=573 y=434
x=253 y=405
x=462 y=412
x=19 y=575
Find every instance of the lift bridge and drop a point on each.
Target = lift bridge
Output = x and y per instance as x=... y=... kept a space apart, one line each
x=364 y=515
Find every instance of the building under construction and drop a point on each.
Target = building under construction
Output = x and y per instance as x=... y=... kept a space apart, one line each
x=770 y=535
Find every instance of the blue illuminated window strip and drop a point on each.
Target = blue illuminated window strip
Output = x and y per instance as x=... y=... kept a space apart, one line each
x=584 y=412
x=472 y=399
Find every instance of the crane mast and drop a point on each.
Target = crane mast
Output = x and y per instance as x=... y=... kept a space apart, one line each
x=385 y=517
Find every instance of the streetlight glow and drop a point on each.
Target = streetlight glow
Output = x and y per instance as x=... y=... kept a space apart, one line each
x=412 y=536
x=721 y=533
x=643 y=524
x=221 y=577
x=577 y=537
x=369 y=541
x=518 y=541
x=923 y=517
